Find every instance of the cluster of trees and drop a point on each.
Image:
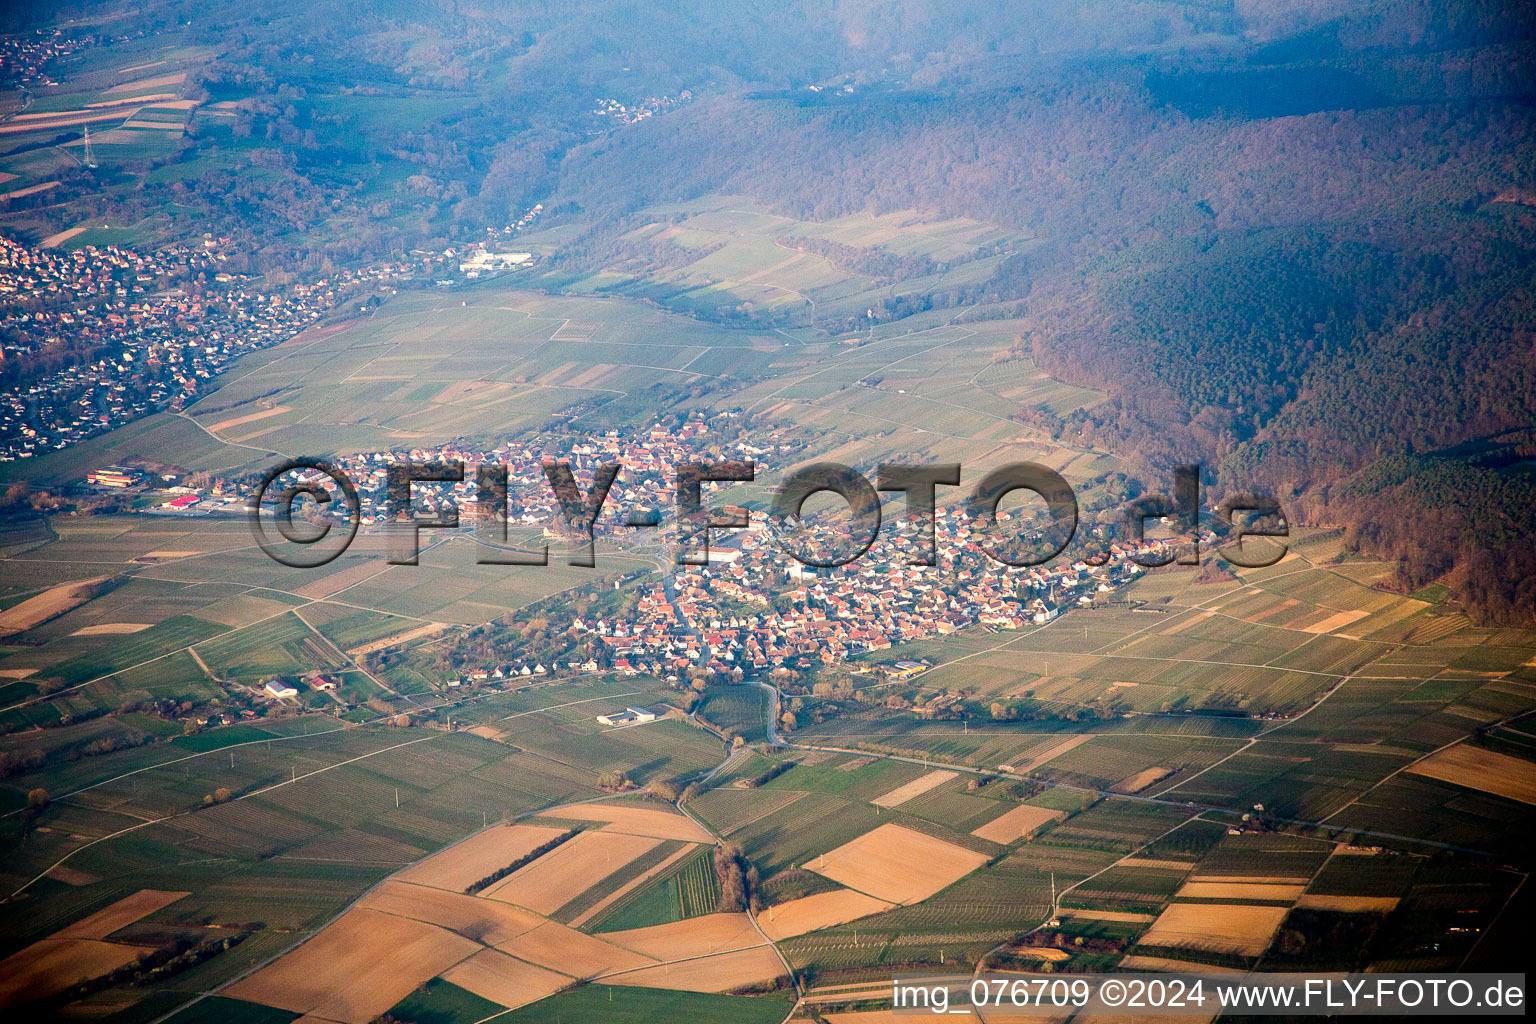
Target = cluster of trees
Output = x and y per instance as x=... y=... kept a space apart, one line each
x=1318 y=369
x=544 y=637
x=614 y=781
x=16 y=762
x=772 y=772
x=1451 y=518
x=123 y=737
x=22 y=499
x=1338 y=939
x=1032 y=711
x=181 y=954
x=738 y=879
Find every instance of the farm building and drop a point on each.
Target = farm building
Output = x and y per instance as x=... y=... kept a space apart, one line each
x=113 y=476
x=278 y=688
x=629 y=716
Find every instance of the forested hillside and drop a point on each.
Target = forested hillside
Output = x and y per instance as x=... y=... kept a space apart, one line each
x=1309 y=263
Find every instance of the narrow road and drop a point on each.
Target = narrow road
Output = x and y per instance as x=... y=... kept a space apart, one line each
x=682 y=806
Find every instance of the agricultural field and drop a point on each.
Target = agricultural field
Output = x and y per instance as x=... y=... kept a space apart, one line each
x=1102 y=819
x=596 y=1002
x=687 y=887
x=723 y=251
x=315 y=820
x=416 y=937
x=131 y=101
x=736 y=711
x=896 y=864
x=424 y=371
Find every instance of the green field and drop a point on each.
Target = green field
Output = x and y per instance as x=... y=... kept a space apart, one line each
x=737 y=710
x=218 y=1009
x=442 y=1002
x=691 y=889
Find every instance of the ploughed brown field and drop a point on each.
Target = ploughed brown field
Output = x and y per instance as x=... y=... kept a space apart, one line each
x=722 y=972
x=483 y=920
x=572 y=952
x=896 y=864
x=240 y=421
x=1016 y=824
x=478 y=856
x=637 y=821
x=78 y=953
x=568 y=870
x=492 y=974
x=1484 y=770
x=357 y=967
x=1258 y=891
x=53 y=965
x=697 y=936
x=823 y=910
x=594 y=911
x=49 y=604
x=1222 y=928
x=112 y=629
x=1140 y=781
x=917 y=787
x=1349 y=904
x=120 y=914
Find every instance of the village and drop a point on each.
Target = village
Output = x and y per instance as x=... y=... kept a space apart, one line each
x=753 y=608
x=151 y=330
x=24 y=58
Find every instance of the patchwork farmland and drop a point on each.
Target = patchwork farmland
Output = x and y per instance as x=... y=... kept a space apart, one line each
x=1087 y=771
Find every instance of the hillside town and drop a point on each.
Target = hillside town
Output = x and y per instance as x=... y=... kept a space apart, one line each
x=147 y=331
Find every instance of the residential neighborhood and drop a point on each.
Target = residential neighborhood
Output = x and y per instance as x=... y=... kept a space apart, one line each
x=100 y=335
x=753 y=608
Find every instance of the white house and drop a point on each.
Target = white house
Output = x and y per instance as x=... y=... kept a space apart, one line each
x=1043 y=611
x=278 y=688
x=629 y=716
